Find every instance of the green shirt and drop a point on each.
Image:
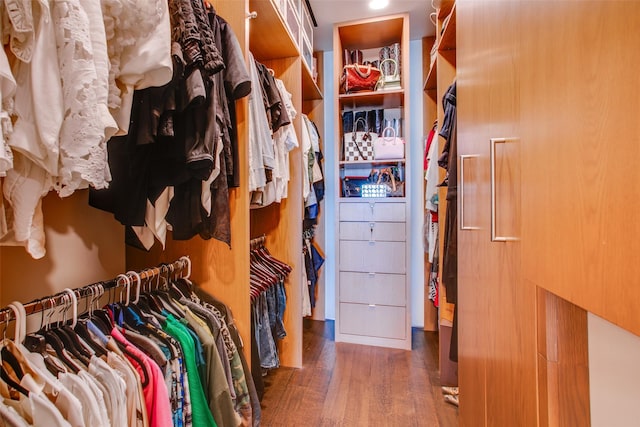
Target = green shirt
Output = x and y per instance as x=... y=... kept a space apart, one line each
x=202 y=416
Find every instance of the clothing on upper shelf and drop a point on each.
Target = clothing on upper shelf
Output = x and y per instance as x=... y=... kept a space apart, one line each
x=171 y=171
x=135 y=100
x=67 y=102
x=271 y=137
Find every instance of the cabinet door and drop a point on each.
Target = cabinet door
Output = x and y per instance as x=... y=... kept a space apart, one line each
x=372 y=257
x=497 y=341
x=580 y=160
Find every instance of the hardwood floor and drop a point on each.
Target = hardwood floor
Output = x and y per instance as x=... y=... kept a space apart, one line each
x=352 y=385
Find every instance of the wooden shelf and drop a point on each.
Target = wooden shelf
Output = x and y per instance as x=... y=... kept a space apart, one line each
x=310 y=90
x=431 y=83
x=372 y=199
x=369 y=162
x=382 y=99
x=378 y=33
x=448 y=39
x=445 y=8
x=279 y=43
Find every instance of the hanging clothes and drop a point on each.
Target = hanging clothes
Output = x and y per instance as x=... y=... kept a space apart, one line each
x=155 y=361
x=272 y=137
x=171 y=170
x=448 y=160
x=268 y=303
x=64 y=110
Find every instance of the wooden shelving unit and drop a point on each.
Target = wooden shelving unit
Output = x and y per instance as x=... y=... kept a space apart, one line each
x=223 y=270
x=372 y=276
x=380 y=99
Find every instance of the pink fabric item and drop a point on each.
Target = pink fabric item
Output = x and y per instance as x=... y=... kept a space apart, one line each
x=156 y=396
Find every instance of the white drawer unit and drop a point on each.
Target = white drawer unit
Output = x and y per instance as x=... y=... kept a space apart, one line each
x=374 y=264
x=372 y=257
x=373 y=231
x=373 y=288
x=370 y=320
x=373 y=211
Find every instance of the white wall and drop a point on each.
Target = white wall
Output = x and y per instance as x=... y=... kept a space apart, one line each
x=416 y=133
x=614 y=374
x=330 y=223
x=415 y=154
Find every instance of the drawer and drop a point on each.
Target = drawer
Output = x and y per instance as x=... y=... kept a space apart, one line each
x=373 y=320
x=376 y=231
x=373 y=288
x=372 y=257
x=372 y=211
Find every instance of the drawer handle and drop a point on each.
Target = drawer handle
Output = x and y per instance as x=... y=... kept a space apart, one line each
x=372 y=275
x=372 y=306
x=372 y=205
x=371 y=225
x=492 y=155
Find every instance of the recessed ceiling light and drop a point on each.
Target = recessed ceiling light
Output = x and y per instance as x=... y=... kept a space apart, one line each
x=378 y=4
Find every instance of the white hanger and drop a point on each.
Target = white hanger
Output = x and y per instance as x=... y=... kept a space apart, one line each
x=139 y=280
x=74 y=306
x=127 y=284
x=20 y=320
x=187 y=260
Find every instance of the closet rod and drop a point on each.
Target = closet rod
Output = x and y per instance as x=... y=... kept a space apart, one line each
x=46 y=303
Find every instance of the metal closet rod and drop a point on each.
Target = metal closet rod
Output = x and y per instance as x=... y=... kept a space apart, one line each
x=123 y=280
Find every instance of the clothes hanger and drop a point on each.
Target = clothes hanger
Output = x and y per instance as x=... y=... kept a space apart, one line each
x=163 y=294
x=100 y=317
x=58 y=345
x=134 y=319
x=82 y=329
x=35 y=343
x=182 y=283
x=4 y=374
x=68 y=335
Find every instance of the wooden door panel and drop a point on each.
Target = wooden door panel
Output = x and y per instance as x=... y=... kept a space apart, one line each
x=580 y=121
x=496 y=308
x=473 y=236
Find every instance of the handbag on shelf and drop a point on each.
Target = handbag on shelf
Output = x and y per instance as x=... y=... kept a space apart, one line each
x=388 y=147
x=352 y=185
x=358 y=145
x=353 y=56
x=357 y=78
x=387 y=183
x=389 y=80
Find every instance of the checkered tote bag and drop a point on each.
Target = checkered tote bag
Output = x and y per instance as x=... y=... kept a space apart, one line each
x=358 y=145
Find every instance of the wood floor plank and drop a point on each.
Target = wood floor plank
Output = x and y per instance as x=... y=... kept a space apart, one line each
x=347 y=385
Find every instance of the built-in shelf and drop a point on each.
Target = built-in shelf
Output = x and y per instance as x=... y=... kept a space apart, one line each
x=380 y=99
x=371 y=199
x=445 y=8
x=310 y=90
x=279 y=43
x=370 y=162
x=431 y=82
x=448 y=39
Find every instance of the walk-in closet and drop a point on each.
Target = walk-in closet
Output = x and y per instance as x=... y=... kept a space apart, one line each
x=319 y=213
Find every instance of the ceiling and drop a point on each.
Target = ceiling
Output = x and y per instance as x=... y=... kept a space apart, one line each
x=328 y=12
